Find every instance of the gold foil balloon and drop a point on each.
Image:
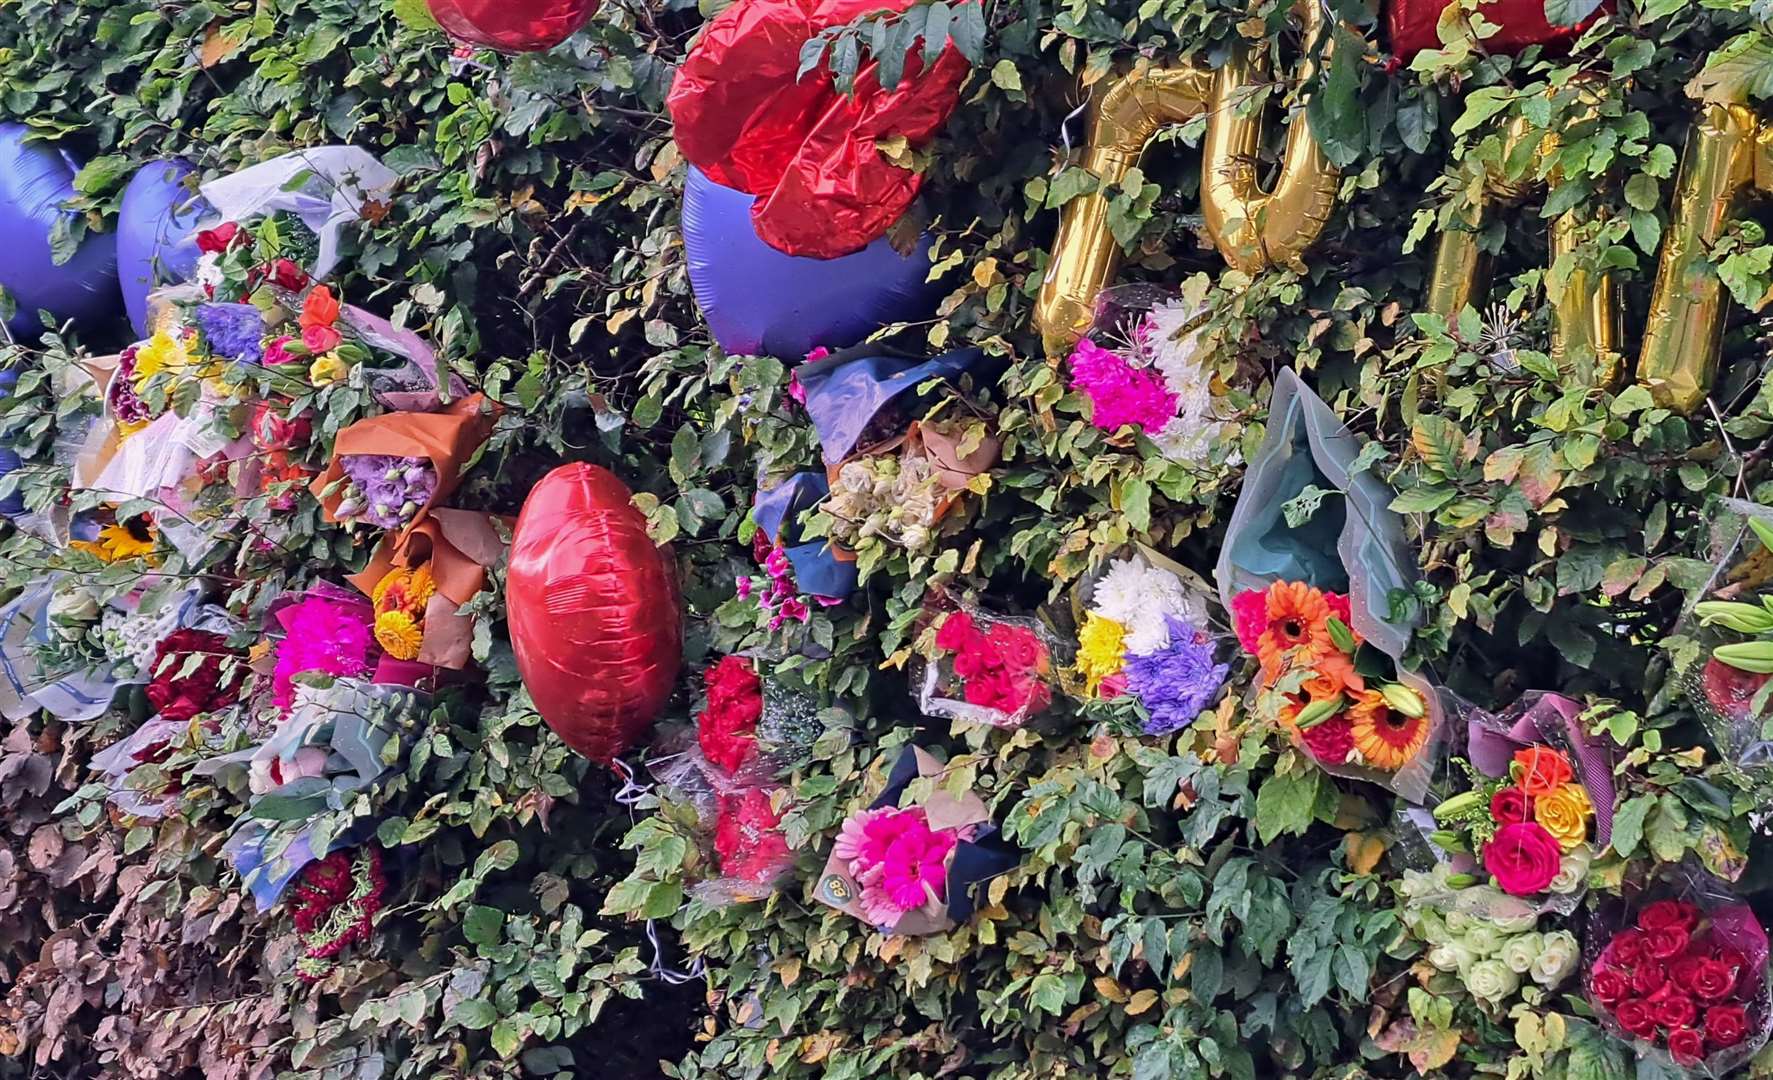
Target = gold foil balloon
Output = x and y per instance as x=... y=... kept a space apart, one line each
x=1253 y=229
x=1085 y=255
x=1685 y=333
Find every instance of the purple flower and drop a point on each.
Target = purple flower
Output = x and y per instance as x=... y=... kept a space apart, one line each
x=1176 y=682
x=235 y=331
x=386 y=491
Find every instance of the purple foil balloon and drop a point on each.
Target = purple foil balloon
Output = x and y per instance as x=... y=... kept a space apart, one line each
x=758 y=300
x=156 y=241
x=36 y=179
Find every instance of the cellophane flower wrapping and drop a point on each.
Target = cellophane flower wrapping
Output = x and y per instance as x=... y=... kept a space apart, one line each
x=1488 y=940
x=1145 y=363
x=737 y=824
x=151 y=744
x=1734 y=705
x=989 y=669
x=1148 y=630
x=1313 y=537
x=327 y=188
x=751 y=729
x=1679 y=971
x=1542 y=803
x=911 y=865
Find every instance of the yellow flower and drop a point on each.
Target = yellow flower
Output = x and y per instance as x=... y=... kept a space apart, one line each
x=1386 y=738
x=1564 y=814
x=327 y=370
x=129 y=540
x=1102 y=647
x=399 y=634
x=165 y=351
x=405 y=590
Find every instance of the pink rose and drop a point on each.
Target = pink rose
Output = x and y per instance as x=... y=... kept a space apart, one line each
x=1523 y=858
x=1686 y=1046
x=1511 y=806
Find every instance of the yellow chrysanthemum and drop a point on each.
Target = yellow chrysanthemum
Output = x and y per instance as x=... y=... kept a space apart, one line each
x=1564 y=814
x=1101 y=649
x=399 y=635
x=405 y=590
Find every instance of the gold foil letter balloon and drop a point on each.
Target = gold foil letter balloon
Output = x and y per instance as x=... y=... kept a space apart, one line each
x=1252 y=229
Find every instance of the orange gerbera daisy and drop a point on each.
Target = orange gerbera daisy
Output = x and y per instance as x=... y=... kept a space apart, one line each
x=1296 y=621
x=1387 y=739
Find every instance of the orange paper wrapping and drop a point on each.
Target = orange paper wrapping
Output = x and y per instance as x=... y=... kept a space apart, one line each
x=447 y=439
x=458 y=545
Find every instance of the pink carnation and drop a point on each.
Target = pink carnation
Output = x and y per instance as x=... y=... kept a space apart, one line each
x=1120 y=394
x=1249 y=610
x=321 y=634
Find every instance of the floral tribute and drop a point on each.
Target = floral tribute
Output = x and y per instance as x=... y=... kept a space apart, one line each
x=749 y=841
x=1531 y=828
x=334 y=906
x=194 y=672
x=900 y=862
x=399 y=602
x=1687 y=980
x=384 y=491
x=989 y=670
x=1731 y=681
x=1143 y=369
x=1494 y=956
x=323 y=634
x=1143 y=637
x=1336 y=697
x=727 y=728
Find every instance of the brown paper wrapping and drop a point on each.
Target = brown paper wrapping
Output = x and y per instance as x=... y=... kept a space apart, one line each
x=447 y=439
x=944 y=811
x=459 y=545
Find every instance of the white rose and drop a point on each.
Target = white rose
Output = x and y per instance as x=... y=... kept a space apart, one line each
x=1520 y=952
x=70 y=609
x=1572 y=871
x=1491 y=981
x=1451 y=956
x=1482 y=938
x=1458 y=922
x=1433 y=929
x=1557 y=959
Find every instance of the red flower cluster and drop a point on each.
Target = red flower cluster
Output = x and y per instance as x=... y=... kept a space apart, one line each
x=748 y=838
x=727 y=727
x=219 y=239
x=176 y=696
x=1001 y=666
x=1672 y=983
x=327 y=886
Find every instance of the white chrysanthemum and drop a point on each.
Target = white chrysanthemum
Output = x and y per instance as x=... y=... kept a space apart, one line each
x=1140 y=596
x=209 y=269
x=1175 y=351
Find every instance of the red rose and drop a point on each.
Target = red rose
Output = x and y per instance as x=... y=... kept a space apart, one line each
x=178 y=695
x=1725 y=1025
x=321 y=339
x=989 y=656
x=1676 y=1010
x=1667 y=913
x=968 y=665
x=1667 y=942
x=1648 y=978
x=287 y=275
x=1020 y=648
x=988 y=690
x=1637 y=1017
x=1686 y=1046
x=956 y=633
x=1609 y=987
x=1714 y=980
x=1629 y=946
x=1684 y=971
x=219 y=239
x=1511 y=806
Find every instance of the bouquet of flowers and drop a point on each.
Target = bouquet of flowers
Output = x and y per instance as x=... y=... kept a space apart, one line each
x=1144 y=365
x=1682 y=974
x=1540 y=803
x=388 y=471
x=419 y=580
x=133 y=768
x=1145 y=636
x=897 y=492
x=1337 y=697
x=1313 y=557
x=1726 y=653
x=1492 y=955
x=327 y=633
x=751 y=728
x=793 y=559
x=909 y=867
x=988 y=669
x=863 y=397
x=195 y=672
x=334 y=906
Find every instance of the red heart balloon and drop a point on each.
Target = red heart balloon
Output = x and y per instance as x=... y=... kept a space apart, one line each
x=1412 y=25
x=593 y=609
x=513 y=25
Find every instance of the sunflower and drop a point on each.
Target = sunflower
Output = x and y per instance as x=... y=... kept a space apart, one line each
x=398 y=633
x=1387 y=739
x=130 y=539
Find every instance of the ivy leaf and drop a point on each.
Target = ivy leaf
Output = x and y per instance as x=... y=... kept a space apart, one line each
x=1628 y=823
x=1569 y=12
x=1286 y=803
x=1335 y=112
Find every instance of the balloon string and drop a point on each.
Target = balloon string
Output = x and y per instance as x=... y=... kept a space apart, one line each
x=668 y=975
x=1065 y=124
x=632 y=791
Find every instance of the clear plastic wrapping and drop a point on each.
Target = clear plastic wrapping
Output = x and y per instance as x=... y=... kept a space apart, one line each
x=989 y=669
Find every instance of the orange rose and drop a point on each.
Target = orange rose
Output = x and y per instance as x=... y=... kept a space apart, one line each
x=320 y=309
x=1540 y=770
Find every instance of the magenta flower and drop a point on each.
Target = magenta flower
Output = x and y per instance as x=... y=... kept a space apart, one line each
x=1249 y=611
x=1120 y=394
x=899 y=861
x=321 y=634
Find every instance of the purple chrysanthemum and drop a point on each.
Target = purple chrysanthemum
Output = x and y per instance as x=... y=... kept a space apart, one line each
x=386 y=491
x=1177 y=682
x=235 y=331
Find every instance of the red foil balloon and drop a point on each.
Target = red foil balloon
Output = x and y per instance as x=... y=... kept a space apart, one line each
x=512 y=26
x=594 y=612
x=1412 y=25
x=807 y=152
